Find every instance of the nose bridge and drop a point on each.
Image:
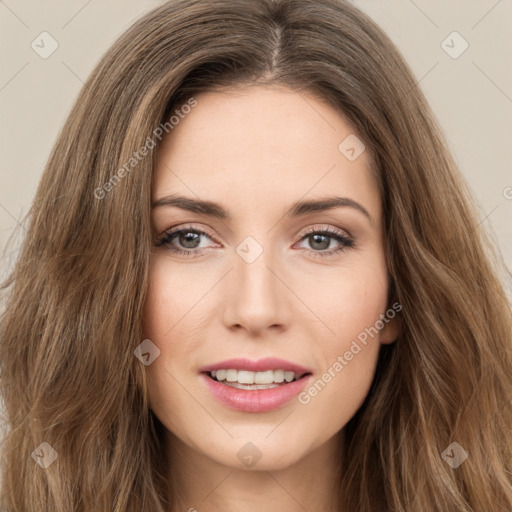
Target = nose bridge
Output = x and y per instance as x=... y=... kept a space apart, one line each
x=256 y=296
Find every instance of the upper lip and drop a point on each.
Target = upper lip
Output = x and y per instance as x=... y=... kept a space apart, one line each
x=261 y=365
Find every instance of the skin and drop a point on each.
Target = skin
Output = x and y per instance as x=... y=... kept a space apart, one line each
x=256 y=151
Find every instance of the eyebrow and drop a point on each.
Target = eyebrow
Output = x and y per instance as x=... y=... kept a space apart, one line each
x=298 y=209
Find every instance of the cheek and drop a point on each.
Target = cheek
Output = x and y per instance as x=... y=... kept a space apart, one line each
x=350 y=306
x=171 y=294
x=170 y=321
x=347 y=302
x=162 y=310
x=358 y=304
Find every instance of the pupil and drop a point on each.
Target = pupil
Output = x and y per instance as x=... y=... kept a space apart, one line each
x=190 y=238
x=314 y=237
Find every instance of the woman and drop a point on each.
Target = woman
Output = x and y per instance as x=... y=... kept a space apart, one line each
x=173 y=336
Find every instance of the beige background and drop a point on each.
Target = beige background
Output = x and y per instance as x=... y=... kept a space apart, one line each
x=471 y=95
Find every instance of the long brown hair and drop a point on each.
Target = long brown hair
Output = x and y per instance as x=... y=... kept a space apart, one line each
x=73 y=303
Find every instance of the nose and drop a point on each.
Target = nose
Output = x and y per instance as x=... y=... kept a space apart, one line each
x=255 y=296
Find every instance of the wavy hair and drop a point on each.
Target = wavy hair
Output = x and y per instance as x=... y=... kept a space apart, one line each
x=72 y=304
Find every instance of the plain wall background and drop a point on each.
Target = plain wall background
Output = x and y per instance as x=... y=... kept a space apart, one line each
x=471 y=95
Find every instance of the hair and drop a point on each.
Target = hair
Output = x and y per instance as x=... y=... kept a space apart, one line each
x=73 y=302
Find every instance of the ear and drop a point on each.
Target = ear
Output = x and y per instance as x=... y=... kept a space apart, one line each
x=391 y=330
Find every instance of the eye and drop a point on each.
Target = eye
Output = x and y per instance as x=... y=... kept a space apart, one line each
x=189 y=240
x=321 y=239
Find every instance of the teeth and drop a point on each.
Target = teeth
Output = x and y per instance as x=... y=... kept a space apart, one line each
x=279 y=376
x=258 y=378
x=250 y=386
x=288 y=376
x=245 y=377
x=231 y=375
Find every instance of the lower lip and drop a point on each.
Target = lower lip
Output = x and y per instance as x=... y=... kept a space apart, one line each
x=255 y=400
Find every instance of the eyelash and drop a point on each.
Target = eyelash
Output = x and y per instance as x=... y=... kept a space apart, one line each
x=166 y=238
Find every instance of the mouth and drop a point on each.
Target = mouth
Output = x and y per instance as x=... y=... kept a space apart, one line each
x=255 y=386
x=249 y=380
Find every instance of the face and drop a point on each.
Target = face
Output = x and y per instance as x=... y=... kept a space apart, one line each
x=252 y=280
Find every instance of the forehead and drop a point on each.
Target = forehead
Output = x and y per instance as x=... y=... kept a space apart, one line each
x=258 y=146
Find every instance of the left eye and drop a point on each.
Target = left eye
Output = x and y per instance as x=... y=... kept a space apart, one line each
x=190 y=238
x=322 y=239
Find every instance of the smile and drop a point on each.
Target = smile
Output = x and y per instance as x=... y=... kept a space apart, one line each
x=244 y=379
x=255 y=386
